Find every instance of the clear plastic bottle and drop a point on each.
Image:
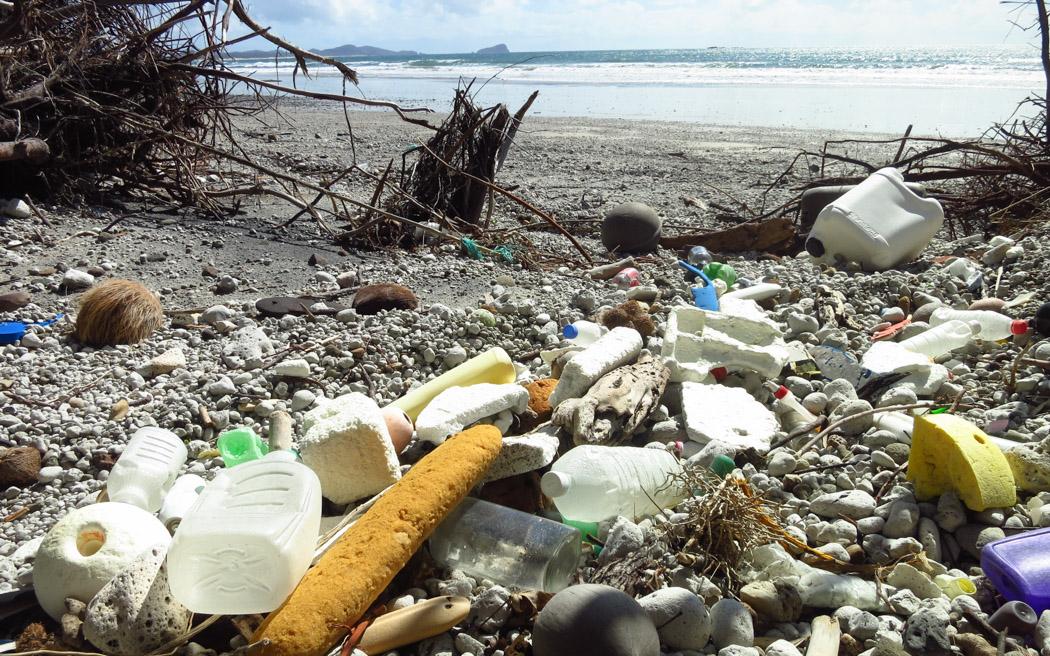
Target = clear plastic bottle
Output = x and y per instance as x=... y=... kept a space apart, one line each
x=699 y=256
x=147 y=468
x=994 y=326
x=591 y=483
x=511 y=548
x=248 y=539
x=941 y=339
x=583 y=332
x=791 y=413
x=182 y=495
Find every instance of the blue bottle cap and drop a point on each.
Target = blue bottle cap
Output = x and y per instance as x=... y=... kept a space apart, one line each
x=11 y=331
x=570 y=332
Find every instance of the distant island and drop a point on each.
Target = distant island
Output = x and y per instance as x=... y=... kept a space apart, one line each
x=348 y=50
x=500 y=49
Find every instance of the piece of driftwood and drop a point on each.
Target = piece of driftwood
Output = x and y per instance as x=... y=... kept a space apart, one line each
x=824 y=637
x=773 y=235
x=616 y=405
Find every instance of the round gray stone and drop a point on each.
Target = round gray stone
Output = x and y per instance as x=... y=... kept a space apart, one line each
x=594 y=620
x=631 y=228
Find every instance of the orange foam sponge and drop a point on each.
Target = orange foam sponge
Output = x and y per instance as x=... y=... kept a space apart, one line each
x=360 y=565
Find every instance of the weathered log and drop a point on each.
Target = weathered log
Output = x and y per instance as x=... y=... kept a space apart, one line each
x=773 y=236
x=32 y=150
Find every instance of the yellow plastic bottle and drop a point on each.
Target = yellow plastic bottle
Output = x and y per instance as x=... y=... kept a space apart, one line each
x=492 y=366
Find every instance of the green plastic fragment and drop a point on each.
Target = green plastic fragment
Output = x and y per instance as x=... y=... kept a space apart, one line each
x=241 y=445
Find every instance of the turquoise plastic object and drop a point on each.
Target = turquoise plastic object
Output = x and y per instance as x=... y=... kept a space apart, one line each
x=706 y=297
x=241 y=445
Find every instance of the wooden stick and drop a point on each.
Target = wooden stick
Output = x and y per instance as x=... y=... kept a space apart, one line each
x=824 y=637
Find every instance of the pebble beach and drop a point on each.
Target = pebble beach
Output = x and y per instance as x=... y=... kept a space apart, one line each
x=216 y=363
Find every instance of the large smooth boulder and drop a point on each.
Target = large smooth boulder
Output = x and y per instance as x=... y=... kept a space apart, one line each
x=631 y=228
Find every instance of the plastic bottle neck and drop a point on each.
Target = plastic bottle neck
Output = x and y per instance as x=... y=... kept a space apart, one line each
x=555 y=484
x=131 y=495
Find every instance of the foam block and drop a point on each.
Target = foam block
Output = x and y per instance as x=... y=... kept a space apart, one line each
x=347 y=444
x=458 y=407
x=614 y=349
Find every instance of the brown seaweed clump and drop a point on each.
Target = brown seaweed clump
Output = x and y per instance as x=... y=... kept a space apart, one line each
x=631 y=314
x=118 y=312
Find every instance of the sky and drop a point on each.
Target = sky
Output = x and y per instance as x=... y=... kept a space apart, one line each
x=451 y=26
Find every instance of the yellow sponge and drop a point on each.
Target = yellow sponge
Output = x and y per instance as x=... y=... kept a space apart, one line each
x=949 y=453
x=352 y=573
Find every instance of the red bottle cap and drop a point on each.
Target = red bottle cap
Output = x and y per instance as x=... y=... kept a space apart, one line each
x=1018 y=327
x=719 y=373
x=781 y=392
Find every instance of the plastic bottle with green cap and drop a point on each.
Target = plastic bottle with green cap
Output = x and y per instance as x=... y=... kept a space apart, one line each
x=241 y=445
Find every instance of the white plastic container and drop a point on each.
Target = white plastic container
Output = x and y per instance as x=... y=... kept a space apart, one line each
x=147 y=468
x=898 y=423
x=591 y=483
x=757 y=292
x=583 y=333
x=941 y=339
x=879 y=224
x=248 y=539
x=994 y=326
x=791 y=413
x=182 y=495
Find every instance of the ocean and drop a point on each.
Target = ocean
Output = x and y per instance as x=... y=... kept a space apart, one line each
x=956 y=92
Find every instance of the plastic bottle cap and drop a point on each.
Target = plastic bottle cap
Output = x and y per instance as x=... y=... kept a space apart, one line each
x=719 y=373
x=781 y=392
x=1018 y=327
x=555 y=484
x=570 y=332
x=815 y=247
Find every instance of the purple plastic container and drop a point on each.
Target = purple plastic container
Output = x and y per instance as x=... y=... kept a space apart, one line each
x=1019 y=567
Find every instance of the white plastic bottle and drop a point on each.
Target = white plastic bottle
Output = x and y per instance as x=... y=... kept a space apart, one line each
x=182 y=495
x=591 y=483
x=941 y=339
x=879 y=224
x=757 y=292
x=994 y=326
x=147 y=468
x=248 y=539
x=791 y=413
x=898 y=423
x=583 y=333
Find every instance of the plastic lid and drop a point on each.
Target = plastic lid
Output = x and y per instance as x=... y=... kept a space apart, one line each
x=570 y=332
x=815 y=247
x=555 y=484
x=719 y=373
x=781 y=392
x=11 y=331
x=1018 y=327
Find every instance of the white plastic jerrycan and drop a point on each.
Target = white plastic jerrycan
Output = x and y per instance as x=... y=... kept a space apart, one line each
x=147 y=468
x=248 y=539
x=879 y=224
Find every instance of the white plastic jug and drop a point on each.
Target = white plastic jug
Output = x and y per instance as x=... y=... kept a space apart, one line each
x=879 y=224
x=591 y=483
x=248 y=539
x=147 y=468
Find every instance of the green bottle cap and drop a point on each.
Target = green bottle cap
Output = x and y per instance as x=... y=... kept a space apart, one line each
x=721 y=271
x=586 y=529
x=723 y=466
x=241 y=445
